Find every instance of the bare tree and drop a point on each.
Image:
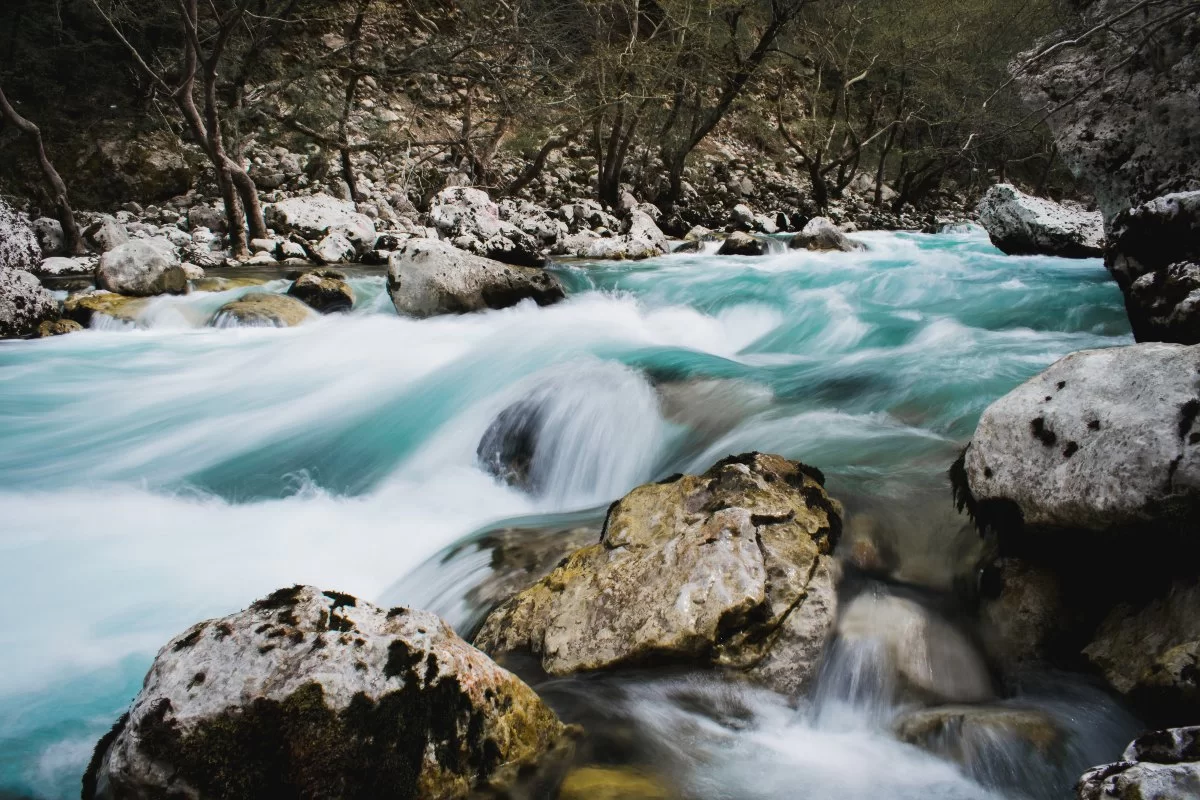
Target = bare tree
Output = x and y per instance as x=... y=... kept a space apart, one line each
x=203 y=40
x=56 y=188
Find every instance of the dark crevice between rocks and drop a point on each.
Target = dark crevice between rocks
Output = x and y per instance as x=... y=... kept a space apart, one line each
x=1187 y=416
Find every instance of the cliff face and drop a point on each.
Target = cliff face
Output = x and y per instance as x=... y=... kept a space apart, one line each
x=1122 y=95
x=1125 y=99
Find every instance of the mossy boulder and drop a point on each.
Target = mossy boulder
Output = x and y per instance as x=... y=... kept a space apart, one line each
x=325 y=291
x=57 y=327
x=317 y=694
x=728 y=569
x=83 y=308
x=262 y=310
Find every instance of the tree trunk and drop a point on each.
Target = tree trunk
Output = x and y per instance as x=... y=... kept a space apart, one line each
x=56 y=188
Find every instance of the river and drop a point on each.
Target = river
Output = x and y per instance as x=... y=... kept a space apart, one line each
x=153 y=477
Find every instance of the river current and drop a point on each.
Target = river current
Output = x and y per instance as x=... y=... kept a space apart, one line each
x=153 y=477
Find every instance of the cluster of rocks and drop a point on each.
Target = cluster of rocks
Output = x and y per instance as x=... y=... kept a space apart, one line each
x=294 y=695
x=1093 y=463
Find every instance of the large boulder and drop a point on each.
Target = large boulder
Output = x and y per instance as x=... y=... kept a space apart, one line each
x=472 y=221
x=316 y=694
x=319 y=215
x=262 y=310
x=18 y=244
x=24 y=304
x=1155 y=259
x=84 y=308
x=428 y=277
x=1022 y=225
x=142 y=267
x=149 y=165
x=821 y=234
x=730 y=568
x=1122 y=105
x=1163 y=765
x=1101 y=441
x=323 y=290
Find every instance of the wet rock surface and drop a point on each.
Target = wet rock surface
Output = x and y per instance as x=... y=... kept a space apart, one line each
x=427 y=277
x=325 y=291
x=262 y=310
x=1163 y=765
x=730 y=568
x=821 y=234
x=291 y=697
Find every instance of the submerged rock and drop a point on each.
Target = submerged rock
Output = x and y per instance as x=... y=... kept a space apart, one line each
x=1163 y=765
x=325 y=291
x=262 y=310
x=24 y=304
x=821 y=234
x=428 y=277
x=142 y=267
x=19 y=248
x=1022 y=225
x=730 y=568
x=509 y=445
x=611 y=783
x=916 y=654
x=83 y=308
x=742 y=244
x=1102 y=440
x=317 y=694
x=978 y=736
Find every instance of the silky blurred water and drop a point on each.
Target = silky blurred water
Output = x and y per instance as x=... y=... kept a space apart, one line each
x=158 y=473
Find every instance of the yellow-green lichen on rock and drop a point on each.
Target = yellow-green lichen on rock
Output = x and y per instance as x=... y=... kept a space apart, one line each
x=294 y=696
x=730 y=568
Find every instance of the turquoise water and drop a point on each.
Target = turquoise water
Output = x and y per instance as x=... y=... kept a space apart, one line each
x=155 y=476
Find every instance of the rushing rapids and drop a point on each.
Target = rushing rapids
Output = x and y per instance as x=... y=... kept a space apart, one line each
x=156 y=471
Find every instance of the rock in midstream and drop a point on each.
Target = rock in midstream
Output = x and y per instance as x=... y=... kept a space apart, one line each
x=730 y=568
x=317 y=694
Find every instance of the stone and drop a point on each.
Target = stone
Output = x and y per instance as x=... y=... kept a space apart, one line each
x=335 y=249
x=318 y=694
x=207 y=217
x=1151 y=653
x=1155 y=259
x=264 y=246
x=19 y=248
x=192 y=271
x=83 y=308
x=821 y=234
x=1162 y=765
x=428 y=277
x=142 y=267
x=106 y=234
x=50 y=237
x=731 y=569
x=921 y=656
x=980 y=735
x=262 y=310
x=468 y=215
x=57 y=327
x=211 y=284
x=742 y=244
x=1101 y=441
x=323 y=291
x=1022 y=225
x=151 y=165
x=314 y=216
x=24 y=304
x=742 y=216
x=60 y=267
